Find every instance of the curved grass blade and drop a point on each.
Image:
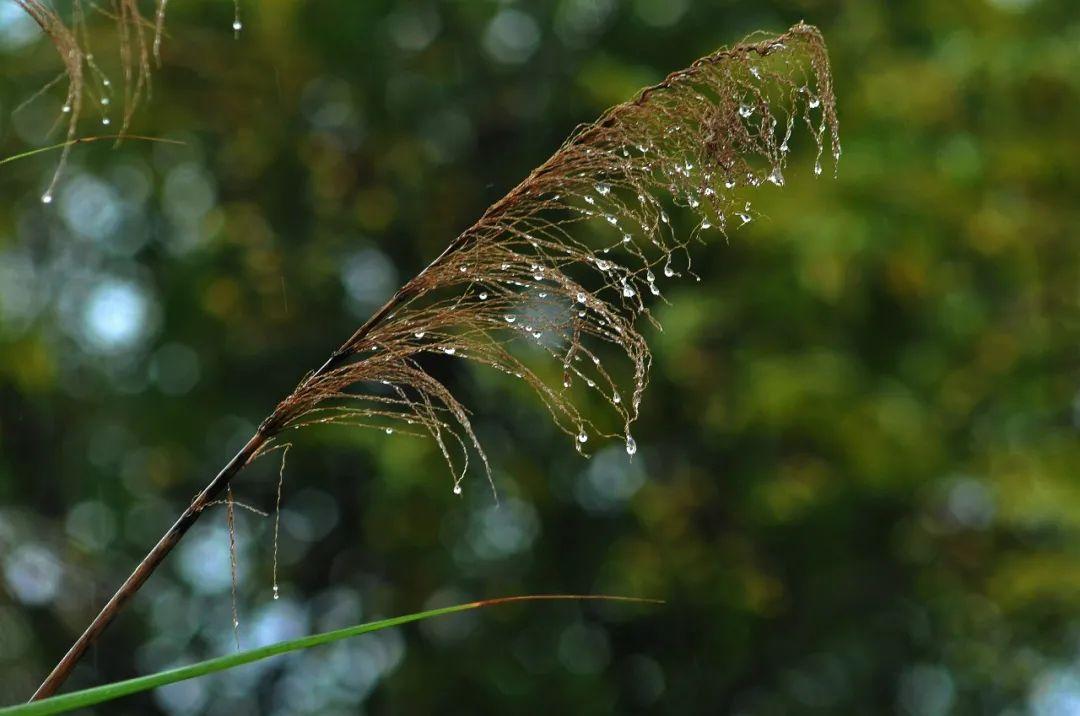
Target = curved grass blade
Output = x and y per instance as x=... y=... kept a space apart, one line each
x=86 y=140
x=108 y=692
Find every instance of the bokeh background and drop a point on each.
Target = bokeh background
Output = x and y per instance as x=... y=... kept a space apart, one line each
x=858 y=483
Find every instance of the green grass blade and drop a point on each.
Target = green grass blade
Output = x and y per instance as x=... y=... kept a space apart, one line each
x=108 y=692
x=86 y=140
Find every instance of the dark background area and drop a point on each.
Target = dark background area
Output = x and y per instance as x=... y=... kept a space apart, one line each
x=857 y=486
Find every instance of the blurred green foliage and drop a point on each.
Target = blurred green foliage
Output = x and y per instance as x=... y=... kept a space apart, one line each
x=857 y=484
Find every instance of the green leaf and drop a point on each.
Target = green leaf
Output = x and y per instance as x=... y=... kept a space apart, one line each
x=108 y=692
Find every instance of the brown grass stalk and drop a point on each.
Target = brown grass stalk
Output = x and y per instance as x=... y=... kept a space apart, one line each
x=558 y=271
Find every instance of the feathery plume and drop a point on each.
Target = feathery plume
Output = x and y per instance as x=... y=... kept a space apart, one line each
x=525 y=273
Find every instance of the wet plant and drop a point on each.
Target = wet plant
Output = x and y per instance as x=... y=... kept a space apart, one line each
x=560 y=272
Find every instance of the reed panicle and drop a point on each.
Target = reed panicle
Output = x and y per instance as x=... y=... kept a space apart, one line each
x=138 y=39
x=526 y=272
x=567 y=263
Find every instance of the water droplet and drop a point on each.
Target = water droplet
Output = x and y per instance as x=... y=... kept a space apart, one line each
x=591 y=383
x=817 y=167
x=631 y=445
x=276 y=595
x=235 y=623
x=611 y=219
x=626 y=238
x=776 y=177
x=537 y=334
x=668 y=271
x=582 y=437
x=237 y=26
x=603 y=189
x=419 y=334
x=66 y=108
x=730 y=183
x=463 y=268
x=616 y=398
x=706 y=224
x=483 y=295
x=755 y=72
x=105 y=101
x=580 y=297
x=664 y=217
x=784 y=147
x=581 y=314
x=510 y=318
x=627 y=291
x=105 y=121
x=457 y=489
x=694 y=203
x=814 y=102
x=602 y=264
x=389 y=431
x=46 y=198
x=449 y=351
x=542 y=294
x=745 y=110
x=590 y=200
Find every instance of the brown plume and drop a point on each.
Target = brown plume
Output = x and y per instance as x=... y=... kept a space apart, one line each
x=137 y=39
x=525 y=274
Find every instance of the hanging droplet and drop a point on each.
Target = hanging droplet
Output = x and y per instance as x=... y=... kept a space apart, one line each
x=664 y=217
x=627 y=291
x=419 y=334
x=616 y=398
x=510 y=318
x=237 y=26
x=463 y=268
x=581 y=314
x=611 y=219
x=276 y=595
x=542 y=294
x=105 y=101
x=813 y=102
x=626 y=238
x=483 y=295
x=105 y=121
x=46 y=198
x=817 y=167
x=389 y=431
x=668 y=271
x=631 y=445
x=457 y=489
x=776 y=176
x=580 y=297
x=745 y=110
x=66 y=108
x=784 y=147
x=706 y=224
x=730 y=183
x=602 y=264
x=582 y=437
x=603 y=189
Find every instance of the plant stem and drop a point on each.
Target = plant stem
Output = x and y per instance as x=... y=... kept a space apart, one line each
x=150 y=562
